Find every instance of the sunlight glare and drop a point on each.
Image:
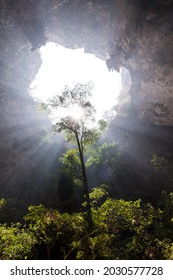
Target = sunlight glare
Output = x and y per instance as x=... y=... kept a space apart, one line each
x=76 y=112
x=61 y=66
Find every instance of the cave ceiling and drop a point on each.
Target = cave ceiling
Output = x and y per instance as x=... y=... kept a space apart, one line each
x=136 y=34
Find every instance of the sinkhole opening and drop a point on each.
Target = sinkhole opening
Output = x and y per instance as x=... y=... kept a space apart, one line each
x=61 y=66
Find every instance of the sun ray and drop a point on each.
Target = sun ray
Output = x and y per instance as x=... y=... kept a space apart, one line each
x=76 y=112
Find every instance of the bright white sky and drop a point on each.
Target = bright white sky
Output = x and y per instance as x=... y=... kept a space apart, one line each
x=61 y=66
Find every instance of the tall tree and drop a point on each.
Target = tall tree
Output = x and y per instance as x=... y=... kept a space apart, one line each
x=74 y=115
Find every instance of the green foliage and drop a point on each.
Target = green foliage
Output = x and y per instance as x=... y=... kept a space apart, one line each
x=166 y=206
x=127 y=227
x=165 y=170
x=46 y=223
x=15 y=242
x=106 y=160
x=50 y=227
x=108 y=153
x=98 y=195
x=71 y=164
x=167 y=249
x=121 y=230
x=2 y=203
x=160 y=163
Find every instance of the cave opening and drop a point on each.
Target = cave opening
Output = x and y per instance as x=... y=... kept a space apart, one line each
x=61 y=66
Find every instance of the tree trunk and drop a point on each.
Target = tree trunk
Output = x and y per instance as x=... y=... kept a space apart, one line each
x=48 y=251
x=85 y=180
